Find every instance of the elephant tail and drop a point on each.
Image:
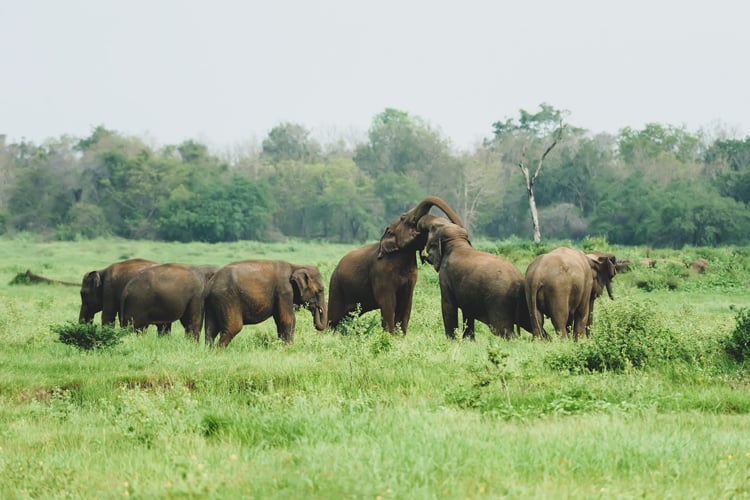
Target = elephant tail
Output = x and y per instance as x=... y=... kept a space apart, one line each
x=531 y=300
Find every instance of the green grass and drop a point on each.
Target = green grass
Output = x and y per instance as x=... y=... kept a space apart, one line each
x=365 y=415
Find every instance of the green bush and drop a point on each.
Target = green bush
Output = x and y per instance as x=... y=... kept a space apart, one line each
x=625 y=335
x=88 y=336
x=738 y=343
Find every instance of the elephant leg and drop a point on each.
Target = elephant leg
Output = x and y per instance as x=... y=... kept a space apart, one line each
x=468 y=328
x=403 y=307
x=580 y=323
x=164 y=329
x=450 y=319
x=192 y=320
x=228 y=326
x=109 y=312
x=388 y=313
x=285 y=322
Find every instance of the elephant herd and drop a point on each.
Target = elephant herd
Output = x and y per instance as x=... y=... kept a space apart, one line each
x=562 y=285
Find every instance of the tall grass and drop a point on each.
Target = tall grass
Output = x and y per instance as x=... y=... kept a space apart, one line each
x=364 y=414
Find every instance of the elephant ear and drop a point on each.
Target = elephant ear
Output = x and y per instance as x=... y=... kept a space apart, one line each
x=93 y=279
x=300 y=281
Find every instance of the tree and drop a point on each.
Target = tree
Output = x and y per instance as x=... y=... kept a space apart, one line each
x=408 y=159
x=540 y=132
x=290 y=142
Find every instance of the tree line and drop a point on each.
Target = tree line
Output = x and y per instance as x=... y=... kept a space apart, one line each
x=661 y=185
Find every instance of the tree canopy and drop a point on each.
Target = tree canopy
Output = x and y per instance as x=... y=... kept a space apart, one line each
x=661 y=185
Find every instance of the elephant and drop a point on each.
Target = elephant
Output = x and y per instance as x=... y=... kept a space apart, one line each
x=159 y=295
x=102 y=290
x=383 y=275
x=563 y=284
x=484 y=286
x=250 y=291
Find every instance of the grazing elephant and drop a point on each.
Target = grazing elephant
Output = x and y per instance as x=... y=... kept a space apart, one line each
x=159 y=295
x=563 y=285
x=484 y=286
x=383 y=275
x=251 y=291
x=102 y=290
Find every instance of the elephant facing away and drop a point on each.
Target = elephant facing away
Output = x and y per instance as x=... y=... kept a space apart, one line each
x=563 y=285
x=251 y=291
x=383 y=275
x=484 y=286
x=159 y=295
x=102 y=290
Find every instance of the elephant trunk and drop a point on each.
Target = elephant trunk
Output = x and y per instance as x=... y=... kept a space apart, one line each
x=433 y=201
x=84 y=316
x=609 y=291
x=320 y=316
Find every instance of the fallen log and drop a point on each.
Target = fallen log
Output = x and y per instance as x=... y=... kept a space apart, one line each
x=29 y=278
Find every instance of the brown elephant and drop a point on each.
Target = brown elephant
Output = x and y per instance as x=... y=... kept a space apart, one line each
x=383 y=275
x=102 y=290
x=251 y=291
x=563 y=284
x=484 y=286
x=159 y=295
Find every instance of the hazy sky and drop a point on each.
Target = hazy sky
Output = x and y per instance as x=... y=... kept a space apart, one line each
x=225 y=72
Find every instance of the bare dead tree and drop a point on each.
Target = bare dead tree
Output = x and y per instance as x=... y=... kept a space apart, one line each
x=531 y=179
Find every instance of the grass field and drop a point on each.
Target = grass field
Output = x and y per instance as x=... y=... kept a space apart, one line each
x=368 y=415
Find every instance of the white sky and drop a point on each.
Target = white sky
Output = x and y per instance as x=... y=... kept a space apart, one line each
x=225 y=72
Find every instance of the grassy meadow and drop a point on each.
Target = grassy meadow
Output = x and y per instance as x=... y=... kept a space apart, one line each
x=650 y=406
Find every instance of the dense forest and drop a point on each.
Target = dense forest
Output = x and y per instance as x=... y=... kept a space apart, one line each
x=662 y=186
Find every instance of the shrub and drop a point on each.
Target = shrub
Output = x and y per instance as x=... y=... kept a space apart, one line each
x=738 y=343
x=88 y=336
x=626 y=335
x=356 y=323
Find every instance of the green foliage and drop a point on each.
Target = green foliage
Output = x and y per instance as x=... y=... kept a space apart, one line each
x=290 y=142
x=356 y=323
x=737 y=344
x=626 y=335
x=656 y=140
x=89 y=336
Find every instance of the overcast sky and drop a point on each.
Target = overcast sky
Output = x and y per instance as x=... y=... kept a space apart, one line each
x=225 y=72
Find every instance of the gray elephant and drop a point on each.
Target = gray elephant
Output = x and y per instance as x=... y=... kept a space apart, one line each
x=251 y=291
x=383 y=275
x=102 y=290
x=484 y=286
x=159 y=295
x=563 y=284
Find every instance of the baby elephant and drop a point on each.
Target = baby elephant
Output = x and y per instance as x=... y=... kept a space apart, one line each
x=162 y=294
x=251 y=291
x=484 y=286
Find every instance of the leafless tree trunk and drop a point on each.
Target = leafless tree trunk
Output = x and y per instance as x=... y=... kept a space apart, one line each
x=531 y=179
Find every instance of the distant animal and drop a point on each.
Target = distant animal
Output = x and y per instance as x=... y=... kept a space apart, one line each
x=250 y=291
x=102 y=290
x=563 y=285
x=483 y=286
x=383 y=275
x=159 y=295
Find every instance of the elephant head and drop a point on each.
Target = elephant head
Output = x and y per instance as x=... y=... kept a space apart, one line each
x=310 y=293
x=92 y=296
x=408 y=231
x=439 y=234
x=604 y=268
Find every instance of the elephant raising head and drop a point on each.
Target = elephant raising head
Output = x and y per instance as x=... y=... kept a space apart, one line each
x=407 y=231
x=604 y=268
x=310 y=293
x=92 y=296
x=439 y=234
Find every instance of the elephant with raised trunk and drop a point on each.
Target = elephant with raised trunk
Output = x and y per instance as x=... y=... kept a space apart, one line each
x=563 y=284
x=159 y=295
x=102 y=290
x=251 y=291
x=483 y=286
x=383 y=275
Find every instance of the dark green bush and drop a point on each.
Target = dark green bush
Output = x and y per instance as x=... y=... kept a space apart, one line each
x=626 y=335
x=88 y=336
x=738 y=343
